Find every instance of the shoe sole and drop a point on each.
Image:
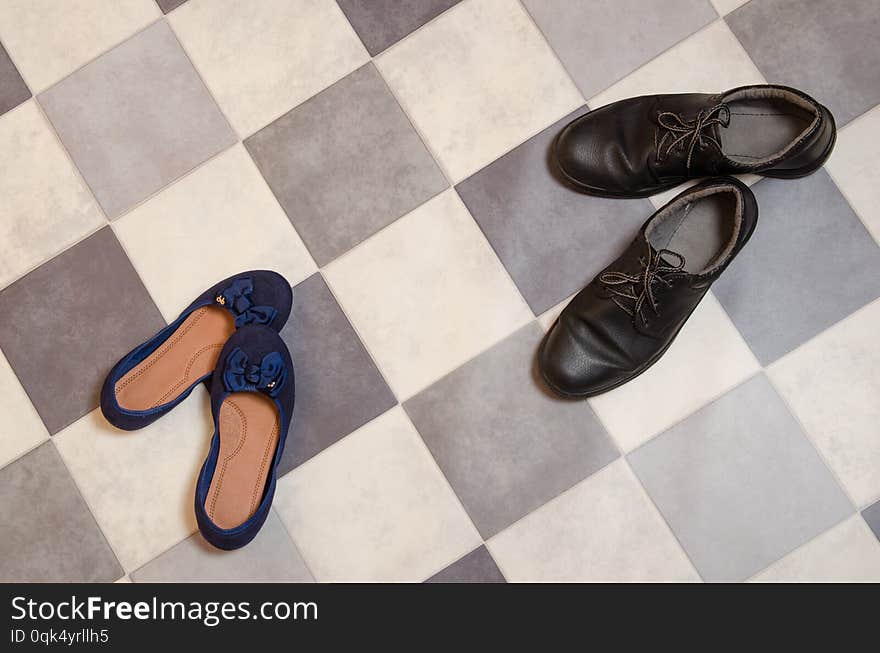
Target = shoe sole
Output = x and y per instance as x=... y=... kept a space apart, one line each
x=796 y=173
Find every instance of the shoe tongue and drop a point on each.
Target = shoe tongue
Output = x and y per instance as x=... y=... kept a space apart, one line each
x=669 y=257
x=715 y=129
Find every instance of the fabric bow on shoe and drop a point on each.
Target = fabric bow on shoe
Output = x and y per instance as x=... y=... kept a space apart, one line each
x=241 y=375
x=237 y=300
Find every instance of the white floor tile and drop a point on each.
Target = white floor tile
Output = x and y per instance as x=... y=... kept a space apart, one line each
x=44 y=206
x=375 y=507
x=478 y=81
x=831 y=384
x=260 y=59
x=848 y=553
x=220 y=220
x=707 y=358
x=710 y=61
x=22 y=427
x=140 y=485
x=853 y=166
x=49 y=39
x=604 y=529
x=724 y=7
x=426 y=294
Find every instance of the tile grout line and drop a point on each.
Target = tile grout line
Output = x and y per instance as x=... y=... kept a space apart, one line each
x=21 y=76
x=91 y=510
x=427 y=450
x=704 y=28
x=26 y=451
x=407 y=37
x=360 y=338
x=809 y=437
x=659 y=513
x=800 y=547
x=623 y=455
x=549 y=45
x=115 y=45
x=293 y=542
x=159 y=555
x=458 y=559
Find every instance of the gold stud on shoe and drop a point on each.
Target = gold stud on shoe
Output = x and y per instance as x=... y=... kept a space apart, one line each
x=271 y=384
x=220 y=299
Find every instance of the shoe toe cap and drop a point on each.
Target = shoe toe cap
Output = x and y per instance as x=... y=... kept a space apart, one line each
x=590 y=159
x=569 y=366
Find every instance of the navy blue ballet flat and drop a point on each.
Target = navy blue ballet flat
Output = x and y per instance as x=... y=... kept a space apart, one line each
x=156 y=376
x=252 y=396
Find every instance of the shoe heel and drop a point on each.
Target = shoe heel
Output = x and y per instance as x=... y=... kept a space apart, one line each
x=797 y=173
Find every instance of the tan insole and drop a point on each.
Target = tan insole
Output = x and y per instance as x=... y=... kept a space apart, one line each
x=249 y=427
x=189 y=354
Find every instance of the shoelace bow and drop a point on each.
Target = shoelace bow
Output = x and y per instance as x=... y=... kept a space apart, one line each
x=682 y=129
x=654 y=270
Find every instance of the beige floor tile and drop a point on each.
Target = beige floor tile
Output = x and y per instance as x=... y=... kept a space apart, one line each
x=22 y=427
x=375 y=507
x=220 y=220
x=548 y=317
x=49 y=39
x=848 y=553
x=426 y=294
x=478 y=81
x=831 y=384
x=260 y=59
x=710 y=61
x=604 y=529
x=853 y=166
x=44 y=206
x=140 y=484
x=724 y=7
x=707 y=358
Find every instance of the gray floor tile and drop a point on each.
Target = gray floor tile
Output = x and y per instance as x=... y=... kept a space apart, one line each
x=49 y=535
x=270 y=558
x=476 y=567
x=830 y=50
x=809 y=264
x=380 y=23
x=872 y=516
x=64 y=325
x=505 y=445
x=13 y=90
x=338 y=388
x=600 y=42
x=345 y=163
x=551 y=238
x=739 y=483
x=136 y=118
x=169 y=5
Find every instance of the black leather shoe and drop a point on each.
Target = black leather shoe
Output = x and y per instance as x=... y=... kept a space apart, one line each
x=626 y=318
x=644 y=145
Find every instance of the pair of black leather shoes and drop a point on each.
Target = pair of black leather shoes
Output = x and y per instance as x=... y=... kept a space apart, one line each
x=628 y=316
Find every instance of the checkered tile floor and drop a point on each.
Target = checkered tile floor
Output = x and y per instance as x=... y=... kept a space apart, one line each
x=390 y=159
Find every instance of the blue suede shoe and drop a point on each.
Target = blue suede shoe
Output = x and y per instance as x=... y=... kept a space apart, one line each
x=156 y=376
x=252 y=396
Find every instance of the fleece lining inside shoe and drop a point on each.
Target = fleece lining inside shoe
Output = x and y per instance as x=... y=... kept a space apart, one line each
x=764 y=124
x=189 y=353
x=702 y=227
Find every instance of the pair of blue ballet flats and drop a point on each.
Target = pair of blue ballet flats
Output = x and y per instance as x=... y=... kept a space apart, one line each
x=228 y=338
